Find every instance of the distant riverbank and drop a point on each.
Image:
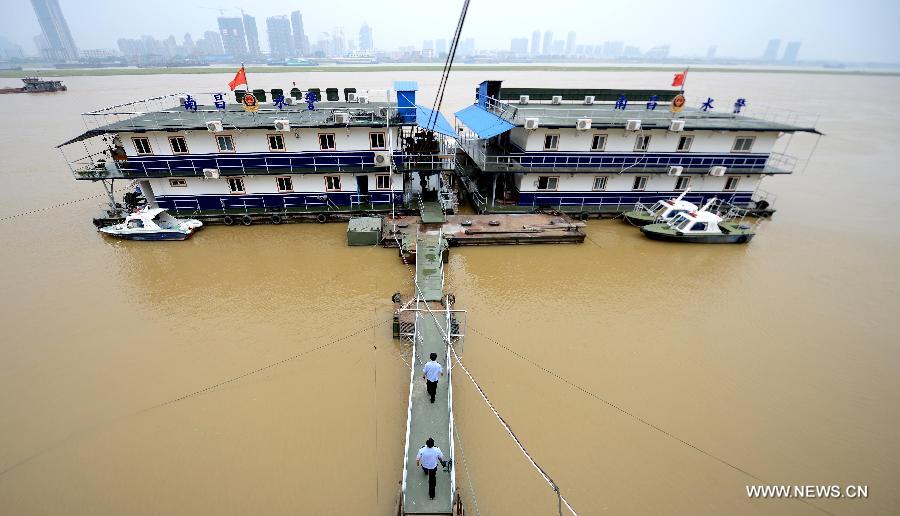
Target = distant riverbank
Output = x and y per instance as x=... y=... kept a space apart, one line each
x=53 y=72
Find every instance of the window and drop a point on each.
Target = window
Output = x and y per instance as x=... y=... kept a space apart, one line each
x=682 y=183
x=178 y=144
x=699 y=226
x=684 y=143
x=551 y=142
x=142 y=145
x=376 y=141
x=600 y=182
x=731 y=183
x=547 y=182
x=383 y=182
x=236 y=184
x=276 y=142
x=225 y=143
x=285 y=184
x=640 y=183
x=177 y=183
x=743 y=144
x=332 y=183
x=598 y=143
x=642 y=142
x=326 y=141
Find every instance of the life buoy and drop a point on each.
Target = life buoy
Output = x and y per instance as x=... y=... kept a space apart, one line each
x=246 y=220
x=397 y=298
x=742 y=239
x=228 y=220
x=321 y=218
x=584 y=215
x=276 y=219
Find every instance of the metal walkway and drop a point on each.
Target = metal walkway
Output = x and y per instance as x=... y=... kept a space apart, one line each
x=431 y=211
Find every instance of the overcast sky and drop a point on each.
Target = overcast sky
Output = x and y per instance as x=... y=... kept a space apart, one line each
x=857 y=30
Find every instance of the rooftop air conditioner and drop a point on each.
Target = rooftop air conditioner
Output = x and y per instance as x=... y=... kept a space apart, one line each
x=676 y=125
x=556 y=99
x=589 y=99
x=531 y=123
x=210 y=173
x=633 y=125
x=382 y=159
x=523 y=99
x=283 y=125
x=675 y=170
x=717 y=171
x=289 y=101
x=362 y=98
x=181 y=100
x=583 y=124
x=351 y=97
x=214 y=126
x=342 y=118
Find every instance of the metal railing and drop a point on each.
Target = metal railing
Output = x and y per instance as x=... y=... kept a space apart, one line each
x=571 y=203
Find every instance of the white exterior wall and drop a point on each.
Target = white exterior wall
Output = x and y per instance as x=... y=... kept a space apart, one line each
x=661 y=140
x=266 y=184
x=624 y=182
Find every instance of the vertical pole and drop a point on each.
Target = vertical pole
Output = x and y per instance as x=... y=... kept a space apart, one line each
x=494 y=191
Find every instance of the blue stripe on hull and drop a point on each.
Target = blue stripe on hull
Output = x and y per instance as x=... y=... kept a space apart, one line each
x=275 y=202
x=192 y=164
x=625 y=198
x=152 y=236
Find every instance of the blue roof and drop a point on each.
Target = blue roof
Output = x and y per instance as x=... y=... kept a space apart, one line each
x=441 y=124
x=406 y=85
x=484 y=123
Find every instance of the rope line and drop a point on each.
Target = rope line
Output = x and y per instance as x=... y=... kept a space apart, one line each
x=59 y=205
x=466 y=468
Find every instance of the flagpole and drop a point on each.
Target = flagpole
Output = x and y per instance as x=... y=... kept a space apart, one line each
x=683 y=82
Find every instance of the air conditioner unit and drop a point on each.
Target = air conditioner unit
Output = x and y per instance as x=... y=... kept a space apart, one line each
x=675 y=170
x=382 y=159
x=676 y=125
x=289 y=101
x=351 y=97
x=523 y=99
x=717 y=171
x=181 y=100
x=210 y=173
x=556 y=99
x=589 y=99
x=342 y=118
x=214 y=126
x=531 y=123
x=583 y=124
x=283 y=125
x=362 y=98
x=633 y=125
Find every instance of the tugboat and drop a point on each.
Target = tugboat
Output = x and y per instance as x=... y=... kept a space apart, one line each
x=153 y=224
x=701 y=227
x=662 y=211
x=36 y=85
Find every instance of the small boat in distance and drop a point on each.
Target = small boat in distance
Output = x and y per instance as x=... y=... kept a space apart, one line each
x=703 y=227
x=153 y=224
x=36 y=85
x=663 y=210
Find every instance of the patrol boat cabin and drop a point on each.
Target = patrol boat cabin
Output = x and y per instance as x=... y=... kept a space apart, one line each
x=310 y=154
x=601 y=151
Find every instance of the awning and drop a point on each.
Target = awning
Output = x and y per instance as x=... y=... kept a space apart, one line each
x=484 y=123
x=440 y=124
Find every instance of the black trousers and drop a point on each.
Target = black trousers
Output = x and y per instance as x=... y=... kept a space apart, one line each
x=432 y=389
x=432 y=478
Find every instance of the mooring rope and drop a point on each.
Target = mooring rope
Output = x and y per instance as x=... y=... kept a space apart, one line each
x=60 y=205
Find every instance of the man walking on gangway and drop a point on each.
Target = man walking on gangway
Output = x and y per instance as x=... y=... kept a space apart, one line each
x=428 y=458
x=431 y=373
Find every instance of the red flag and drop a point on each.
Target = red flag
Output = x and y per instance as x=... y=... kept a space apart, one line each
x=239 y=78
x=677 y=81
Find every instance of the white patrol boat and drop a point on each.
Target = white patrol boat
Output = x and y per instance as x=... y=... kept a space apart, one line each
x=702 y=226
x=663 y=210
x=153 y=224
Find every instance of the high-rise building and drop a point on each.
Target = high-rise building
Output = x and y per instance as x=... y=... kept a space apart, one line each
x=613 y=49
x=570 y=43
x=440 y=47
x=338 y=42
x=9 y=50
x=233 y=40
x=58 y=42
x=210 y=44
x=365 y=38
x=467 y=47
x=252 y=35
x=301 y=42
x=535 y=42
x=711 y=52
x=548 y=43
x=771 y=53
x=791 y=51
x=428 y=45
x=281 y=40
x=519 y=46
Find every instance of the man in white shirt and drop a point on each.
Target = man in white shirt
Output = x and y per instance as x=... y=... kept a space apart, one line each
x=431 y=373
x=428 y=458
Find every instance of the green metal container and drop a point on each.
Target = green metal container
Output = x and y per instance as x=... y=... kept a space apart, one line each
x=364 y=231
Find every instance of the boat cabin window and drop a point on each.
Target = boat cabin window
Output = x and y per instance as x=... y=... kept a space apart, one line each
x=598 y=143
x=177 y=183
x=600 y=182
x=285 y=184
x=135 y=224
x=236 y=185
x=640 y=183
x=681 y=222
x=731 y=183
x=684 y=143
x=547 y=182
x=225 y=143
x=743 y=144
x=332 y=183
x=383 y=182
x=699 y=226
x=326 y=141
x=142 y=145
x=642 y=142
x=376 y=141
x=276 y=142
x=551 y=142
x=178 y=144
x=658 y=207
x=682 y=183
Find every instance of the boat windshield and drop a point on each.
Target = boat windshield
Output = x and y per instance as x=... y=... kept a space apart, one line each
x=135 y=224
x=164 y=221
x=658 y=207
x=682 y=222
